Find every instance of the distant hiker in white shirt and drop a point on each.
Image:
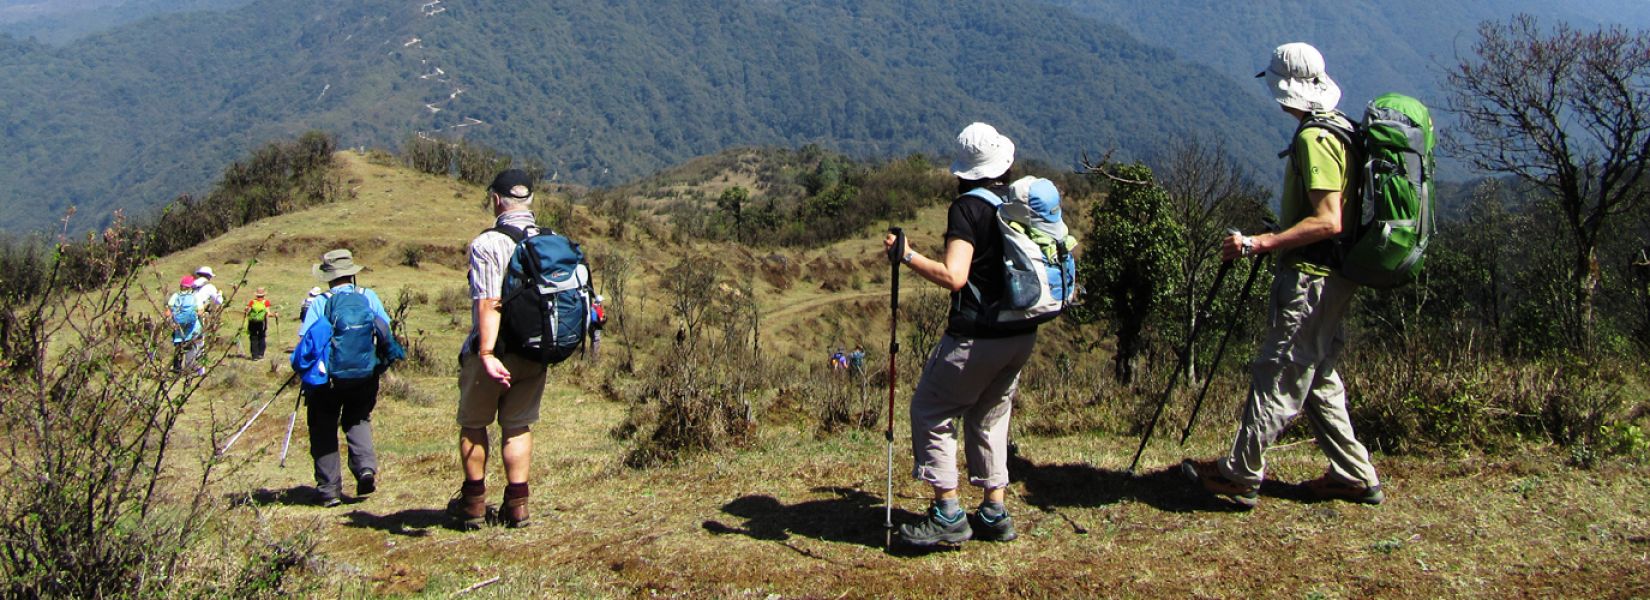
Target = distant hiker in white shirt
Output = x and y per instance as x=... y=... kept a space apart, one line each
x=206 y=294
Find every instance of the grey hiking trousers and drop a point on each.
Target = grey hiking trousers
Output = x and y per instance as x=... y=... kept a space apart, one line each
x=347 y=407
x=972 y=379
x=1294 y=374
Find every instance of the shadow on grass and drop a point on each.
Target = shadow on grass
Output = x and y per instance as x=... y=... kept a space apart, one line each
x=852 y=516
x=413 y=522
x=303 y=495
x=1048 y=486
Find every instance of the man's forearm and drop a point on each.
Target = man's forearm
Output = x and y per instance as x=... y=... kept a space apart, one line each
x=487 y=321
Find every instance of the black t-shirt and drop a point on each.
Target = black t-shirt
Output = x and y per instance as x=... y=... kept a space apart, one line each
x=974 y=220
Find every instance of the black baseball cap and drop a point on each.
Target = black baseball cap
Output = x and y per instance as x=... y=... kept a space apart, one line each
x=513 y=183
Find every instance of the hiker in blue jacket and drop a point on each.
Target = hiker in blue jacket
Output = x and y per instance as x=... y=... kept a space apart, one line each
x=341 y=393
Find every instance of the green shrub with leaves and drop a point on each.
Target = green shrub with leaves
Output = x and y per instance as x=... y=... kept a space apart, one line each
x=1131 y=258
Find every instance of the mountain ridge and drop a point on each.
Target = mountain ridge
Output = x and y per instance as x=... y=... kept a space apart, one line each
x=600 y=95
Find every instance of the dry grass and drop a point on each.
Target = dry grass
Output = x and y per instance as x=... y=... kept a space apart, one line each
x=800 y=515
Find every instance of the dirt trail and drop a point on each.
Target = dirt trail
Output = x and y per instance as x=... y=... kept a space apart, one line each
x=820 y=302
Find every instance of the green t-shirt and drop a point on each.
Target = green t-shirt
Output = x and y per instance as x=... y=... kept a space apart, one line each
x=1322 y=162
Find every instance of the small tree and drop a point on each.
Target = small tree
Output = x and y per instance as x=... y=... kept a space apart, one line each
x=1132 y=257
x=732 y=202
x=1565 y=112
x=1207 y=194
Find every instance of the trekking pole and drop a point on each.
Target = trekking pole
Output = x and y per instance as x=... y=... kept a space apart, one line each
x=290 y=421
x=893 y=352
x=1220 y=351
x=260 y=411
x=1185 y=355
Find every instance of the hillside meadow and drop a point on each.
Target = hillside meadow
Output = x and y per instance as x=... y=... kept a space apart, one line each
x=795 y=511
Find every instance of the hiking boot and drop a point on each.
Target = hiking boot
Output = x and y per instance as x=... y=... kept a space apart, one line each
x=514 y=512
x=937 y=529
x=325 y=500
x=993 y=524
x=469 y=507
x=1330 y=488
x=366 y=484
x=1207 y=475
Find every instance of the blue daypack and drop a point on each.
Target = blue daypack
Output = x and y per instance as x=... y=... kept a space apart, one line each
x=352 y=352
x=545 y=308
x=186 y=315
x=1039 y=272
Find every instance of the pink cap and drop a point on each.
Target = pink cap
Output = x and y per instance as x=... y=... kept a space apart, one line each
x=187 y=281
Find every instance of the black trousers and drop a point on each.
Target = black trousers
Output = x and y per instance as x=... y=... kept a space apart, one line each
x=346 y=406
x=255 y=334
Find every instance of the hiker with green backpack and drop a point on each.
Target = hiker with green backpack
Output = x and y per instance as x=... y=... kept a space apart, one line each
x=1356 y=211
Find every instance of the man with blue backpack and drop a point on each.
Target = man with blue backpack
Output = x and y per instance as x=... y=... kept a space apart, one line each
x=344 y=344
x=530 y=307
x=1008 y=267
x=1313 y=286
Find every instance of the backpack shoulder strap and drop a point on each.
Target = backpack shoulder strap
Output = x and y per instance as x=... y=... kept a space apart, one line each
x=516 y=234
x=986 y=195
x=1330 y=122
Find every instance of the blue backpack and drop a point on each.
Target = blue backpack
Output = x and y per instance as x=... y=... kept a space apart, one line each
x=186 y=315
x=352 y=353
x=545 y=308
x=1039 y=272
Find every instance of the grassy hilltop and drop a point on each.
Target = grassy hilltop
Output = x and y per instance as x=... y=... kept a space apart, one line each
x=796 y=511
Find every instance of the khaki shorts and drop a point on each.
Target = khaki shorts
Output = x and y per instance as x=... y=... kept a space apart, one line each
x=481 y=399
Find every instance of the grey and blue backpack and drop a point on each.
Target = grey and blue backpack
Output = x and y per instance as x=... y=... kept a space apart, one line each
x=546 y=298
x=1039 y=272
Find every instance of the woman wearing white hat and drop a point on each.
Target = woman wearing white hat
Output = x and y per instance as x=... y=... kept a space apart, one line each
x=974 y=369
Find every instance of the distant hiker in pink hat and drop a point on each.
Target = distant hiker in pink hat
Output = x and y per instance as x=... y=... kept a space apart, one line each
x=183 y=309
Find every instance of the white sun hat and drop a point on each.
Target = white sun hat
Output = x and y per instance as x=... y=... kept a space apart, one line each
x=1298 y=80
x=207 y=271
x=982 y=153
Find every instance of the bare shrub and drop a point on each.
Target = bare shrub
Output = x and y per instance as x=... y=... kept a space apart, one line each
x=703 y=396
x=89 y=429
x=412 y=255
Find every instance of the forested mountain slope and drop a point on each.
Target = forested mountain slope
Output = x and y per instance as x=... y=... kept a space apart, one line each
x=61 y=21
x=1371 y=46
x=598 y=93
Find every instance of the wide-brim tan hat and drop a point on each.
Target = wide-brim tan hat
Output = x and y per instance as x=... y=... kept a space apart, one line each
x=982 y=153
x=1297 y=78
x=335 y=264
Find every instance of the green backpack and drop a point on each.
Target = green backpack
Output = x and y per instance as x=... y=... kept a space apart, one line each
x=1392 y=223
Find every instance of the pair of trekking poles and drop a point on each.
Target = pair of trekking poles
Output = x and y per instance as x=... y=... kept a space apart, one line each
x=1186 y=355
x=291 y=420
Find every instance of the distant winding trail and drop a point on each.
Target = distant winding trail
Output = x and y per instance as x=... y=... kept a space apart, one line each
x=820 y=302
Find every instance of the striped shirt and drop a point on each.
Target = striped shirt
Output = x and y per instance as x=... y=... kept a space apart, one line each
x=489 y=259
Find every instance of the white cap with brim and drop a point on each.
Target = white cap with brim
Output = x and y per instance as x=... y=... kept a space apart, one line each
x=982 y=153
x=1298 y=80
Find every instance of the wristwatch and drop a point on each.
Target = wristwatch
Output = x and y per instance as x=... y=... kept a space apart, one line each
x=1247 y=246
x=909 y=254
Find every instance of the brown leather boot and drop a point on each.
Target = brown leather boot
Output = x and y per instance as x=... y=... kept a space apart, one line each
x=470 y=506
x=514 y=513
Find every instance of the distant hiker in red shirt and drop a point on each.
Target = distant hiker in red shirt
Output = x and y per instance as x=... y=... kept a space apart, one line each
x=258 y=312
